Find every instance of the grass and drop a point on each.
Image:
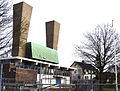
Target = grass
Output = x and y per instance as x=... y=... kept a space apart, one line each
x=107 y=89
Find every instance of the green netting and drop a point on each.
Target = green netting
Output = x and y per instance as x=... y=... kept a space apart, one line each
x=44 y=53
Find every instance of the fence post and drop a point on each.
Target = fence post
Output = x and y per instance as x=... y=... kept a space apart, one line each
x=91 y=82
x=50 y=79
x=0 y=77
x=1 y=73
x=76 y=87
x=40 y=82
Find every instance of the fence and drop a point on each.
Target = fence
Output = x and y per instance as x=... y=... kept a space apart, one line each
x=28 y=80
x=83 y=86
x=93 y=85
x=6 y=86
x=96 y=87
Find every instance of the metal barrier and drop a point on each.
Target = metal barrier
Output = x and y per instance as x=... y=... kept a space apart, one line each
x=10 y=84
x=6 y=86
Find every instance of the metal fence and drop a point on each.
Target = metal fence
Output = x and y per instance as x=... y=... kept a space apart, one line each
x=10 y=84
x=96 y=87
x=6 y=86
x=37 y=87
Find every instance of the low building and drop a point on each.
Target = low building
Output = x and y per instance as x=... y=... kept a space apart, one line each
x=30 y=72
x=83 y=71
x=32 y=64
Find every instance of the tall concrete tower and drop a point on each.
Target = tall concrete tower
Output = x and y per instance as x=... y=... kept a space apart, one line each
x=52 y=34
x=21 y=21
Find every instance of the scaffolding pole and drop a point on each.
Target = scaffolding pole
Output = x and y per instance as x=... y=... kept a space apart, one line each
x=1 y=75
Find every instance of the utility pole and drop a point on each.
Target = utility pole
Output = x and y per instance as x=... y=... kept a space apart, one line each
x=116 y=82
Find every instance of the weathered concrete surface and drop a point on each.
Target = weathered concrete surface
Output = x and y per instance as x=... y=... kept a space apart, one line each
x=52 y=34
x=21 y=21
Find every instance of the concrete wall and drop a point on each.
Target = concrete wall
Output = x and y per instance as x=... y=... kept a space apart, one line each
x=9 y=73
x=18 y=75
x=21 y=21
x=52 y=34
x=26 y=76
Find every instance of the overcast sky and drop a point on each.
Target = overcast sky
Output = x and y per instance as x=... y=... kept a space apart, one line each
x=75 y=16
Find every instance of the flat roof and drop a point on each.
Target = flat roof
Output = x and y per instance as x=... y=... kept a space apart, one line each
x=50 y=65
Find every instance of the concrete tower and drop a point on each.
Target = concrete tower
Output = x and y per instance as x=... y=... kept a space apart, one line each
x=21 y=21
x=52 y=34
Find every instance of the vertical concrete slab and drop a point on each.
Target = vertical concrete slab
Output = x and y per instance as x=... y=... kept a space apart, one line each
x=52 y=34
x=21 y=21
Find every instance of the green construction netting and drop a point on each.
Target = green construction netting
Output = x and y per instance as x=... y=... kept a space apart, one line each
x=37 y=51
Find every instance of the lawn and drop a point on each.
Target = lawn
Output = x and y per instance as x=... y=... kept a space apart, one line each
x=108 y=89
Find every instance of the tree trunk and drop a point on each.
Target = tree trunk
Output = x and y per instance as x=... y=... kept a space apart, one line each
x=100 y=79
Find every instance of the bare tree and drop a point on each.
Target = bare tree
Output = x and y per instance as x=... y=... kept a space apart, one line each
x=5 y=27
x=98 y=49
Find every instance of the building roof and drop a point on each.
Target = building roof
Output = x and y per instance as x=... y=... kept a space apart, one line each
x=39 y=52
x=84 y=65
x=37 y=62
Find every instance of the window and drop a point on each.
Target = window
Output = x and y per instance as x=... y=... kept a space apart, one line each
x=79 y=70
x=89 y=71
x=86 y=77
x=75 y=71
x=9 y=69
x=118 y=64
x=79 y=77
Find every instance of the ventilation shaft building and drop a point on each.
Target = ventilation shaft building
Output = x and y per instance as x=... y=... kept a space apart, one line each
x=32 y=63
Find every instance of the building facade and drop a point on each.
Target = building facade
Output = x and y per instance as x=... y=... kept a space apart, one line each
x=83 y=71
x=32 y=64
